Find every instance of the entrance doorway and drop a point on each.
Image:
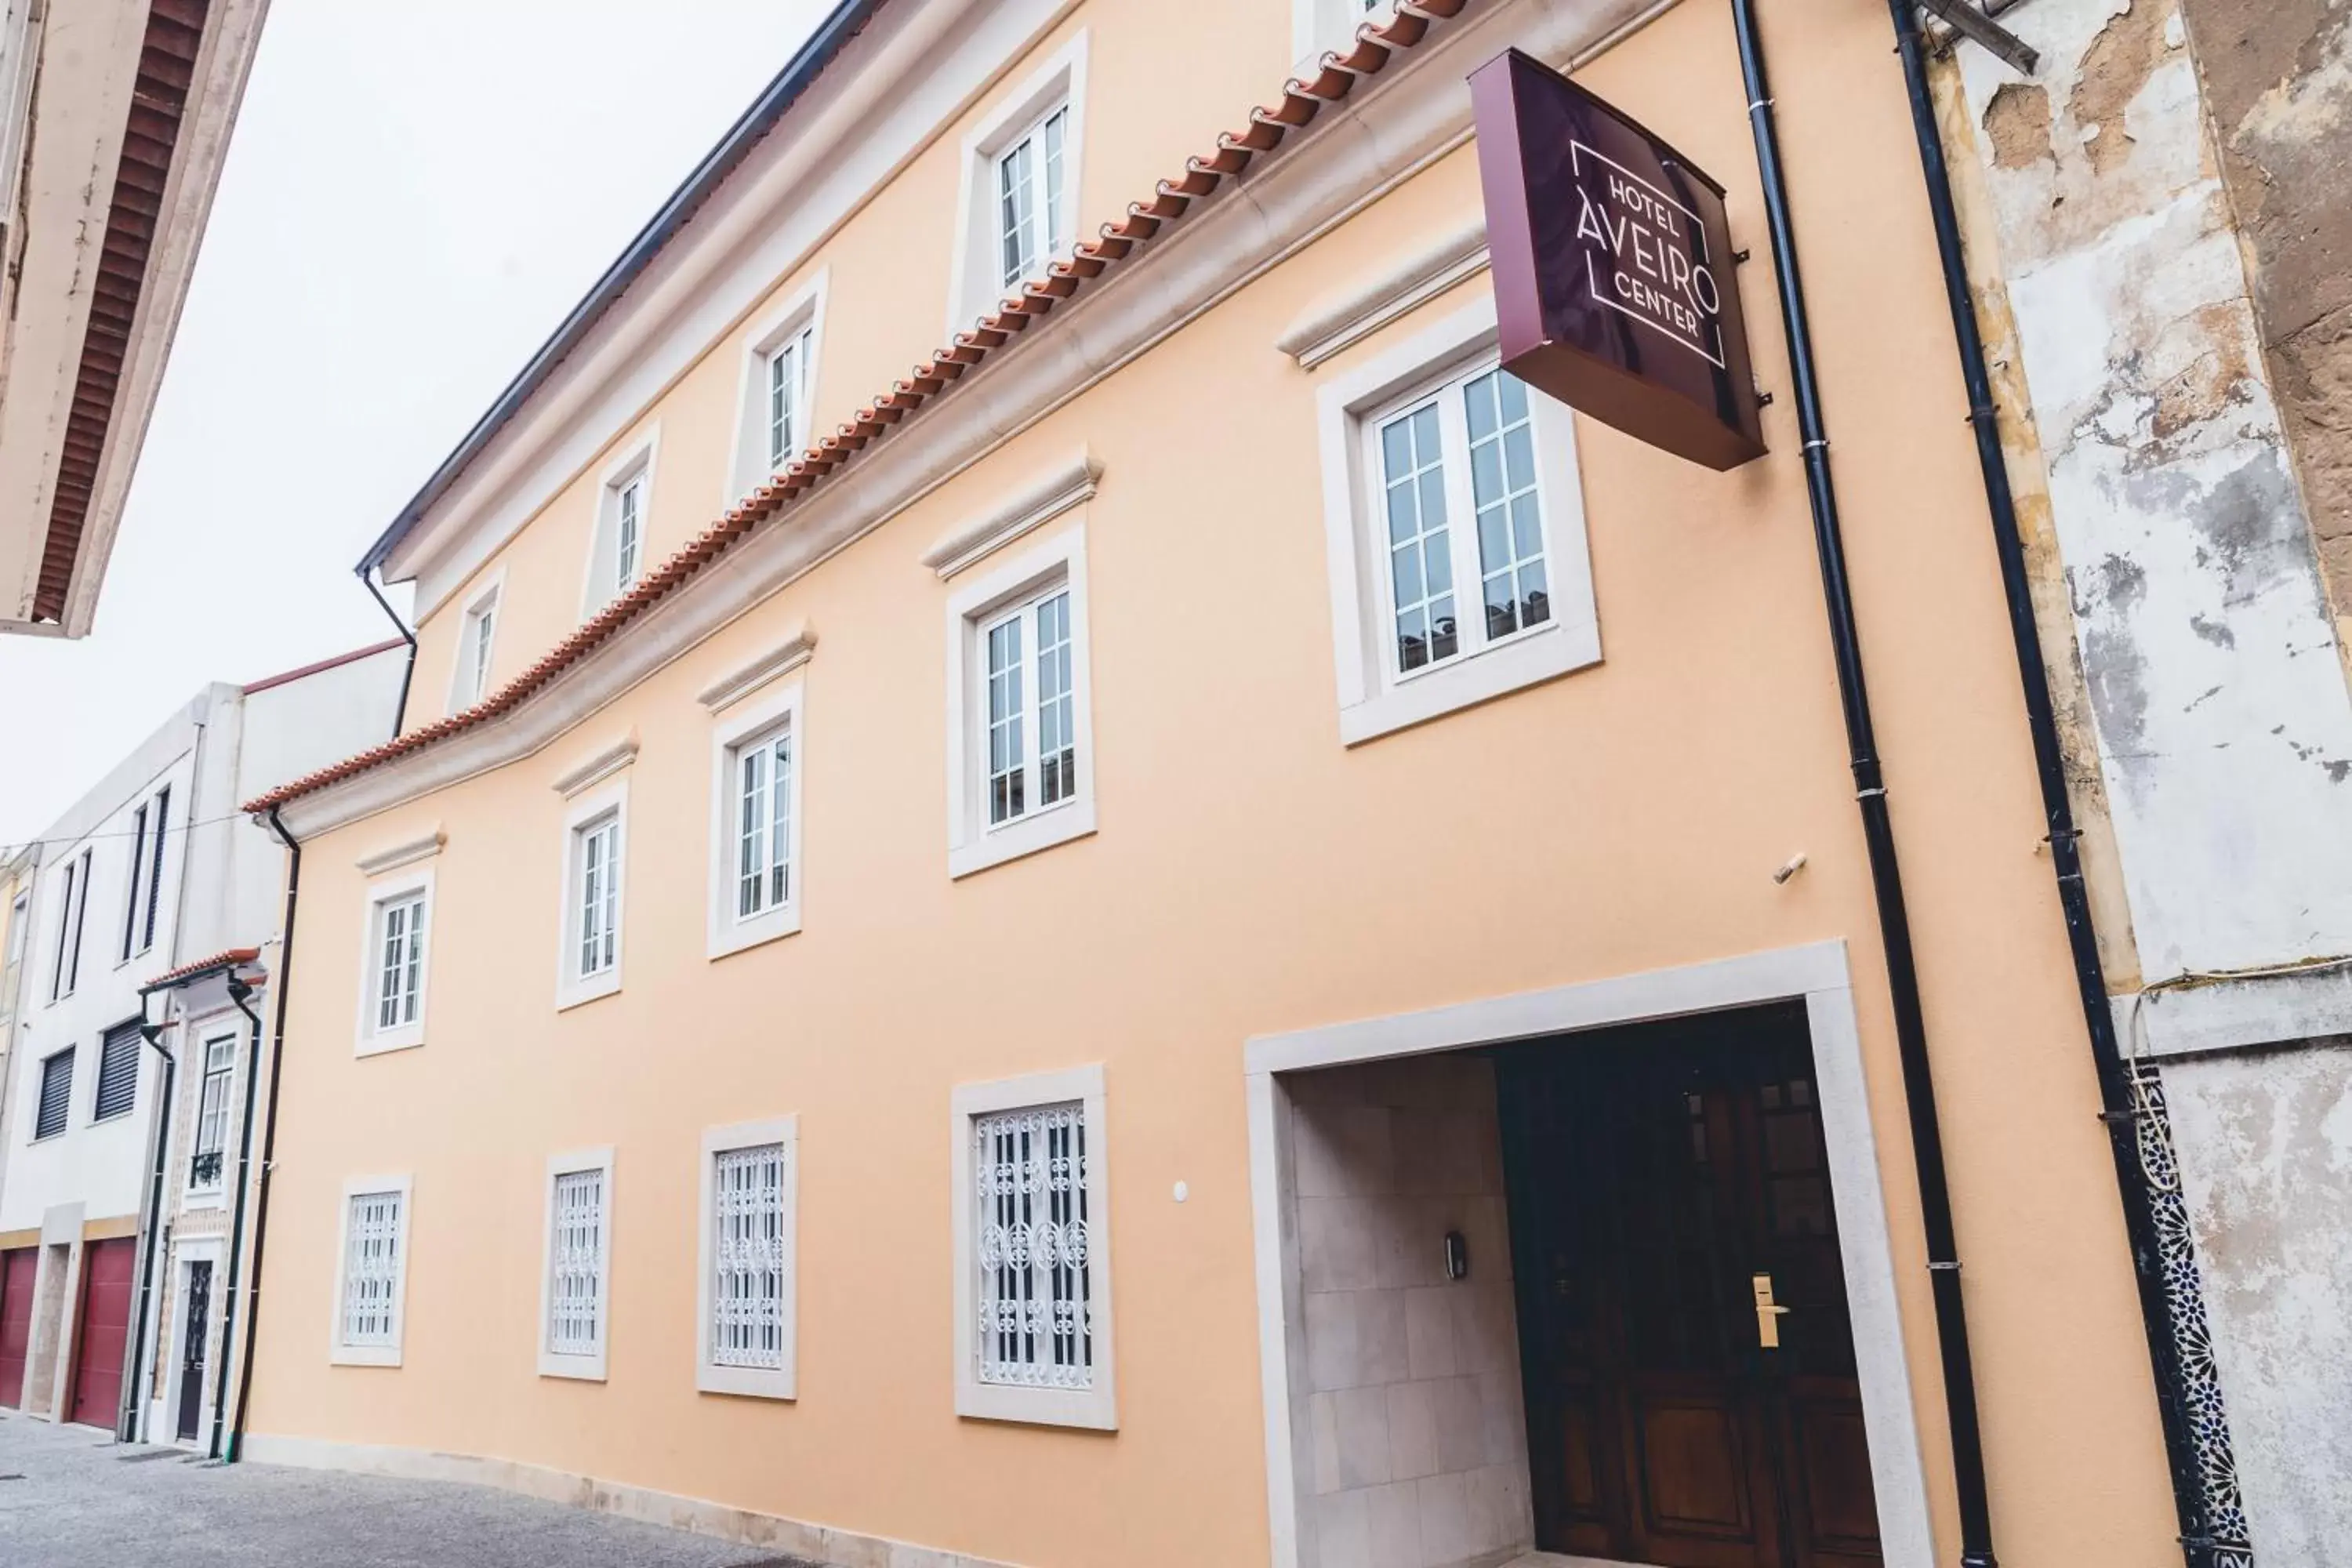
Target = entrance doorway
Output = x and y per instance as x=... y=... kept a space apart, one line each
x=1687 y=1348
x=196 y=1321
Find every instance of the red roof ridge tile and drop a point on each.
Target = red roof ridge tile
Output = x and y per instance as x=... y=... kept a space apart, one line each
x=1335 y=77
x=224 y=959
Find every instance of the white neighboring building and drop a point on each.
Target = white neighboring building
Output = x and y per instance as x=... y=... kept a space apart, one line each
x=151 y=873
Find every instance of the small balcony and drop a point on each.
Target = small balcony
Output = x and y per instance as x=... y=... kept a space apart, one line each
x=204 y=1171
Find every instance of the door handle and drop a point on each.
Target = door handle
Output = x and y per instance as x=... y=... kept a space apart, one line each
x=1769 y=1313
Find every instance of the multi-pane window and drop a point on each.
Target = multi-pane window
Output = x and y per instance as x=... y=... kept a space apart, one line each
x=20 y=916
x=597 y=897
x=764 y=822
x=787 y=396
x=212 y=1112
x=629 y=530
x=400 y=971
x=56 y=1095
x=576 y=1261
x=1029 y=198
x=1462 y=520
x=118 y=1074
x=1033 y=742
x=371 y=1242
x=748 y=1260
x=1035 y=1291
x=482 y=635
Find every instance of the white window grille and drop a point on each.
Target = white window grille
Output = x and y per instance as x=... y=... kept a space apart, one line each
x=628 y=525
x=1030 y=197
x=400 y=978
x=482 y=633
x=1032 y=715
x=748 y=1281
x=787 y=388
x=1035 y=1296
x=763 y=832
x=599 y=896
x=1456 y=531
x=372 y=1270
x=575 y=1315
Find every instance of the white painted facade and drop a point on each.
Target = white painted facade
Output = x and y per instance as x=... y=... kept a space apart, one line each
x=216 y=886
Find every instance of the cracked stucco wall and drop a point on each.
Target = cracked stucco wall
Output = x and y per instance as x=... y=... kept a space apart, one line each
x=2277 y=75
x=2265 y=1142
x=2220 y=708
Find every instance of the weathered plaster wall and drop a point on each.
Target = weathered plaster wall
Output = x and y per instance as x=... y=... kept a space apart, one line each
x=2278 y=87
x=2265 y=1147
x=2222 y=719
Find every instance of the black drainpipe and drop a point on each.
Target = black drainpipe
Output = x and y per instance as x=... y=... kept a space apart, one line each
x=269 y=1137
x=2115 y=1096
x=125 y=1417
x=1877 y=825
x=408 y=672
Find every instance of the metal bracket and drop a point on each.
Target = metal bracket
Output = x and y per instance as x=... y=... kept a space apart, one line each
x=1973 y=24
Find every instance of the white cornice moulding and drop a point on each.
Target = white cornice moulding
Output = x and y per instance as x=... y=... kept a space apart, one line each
x=1346 y=320
x=594 y=770
x=745 y=679
x=1045 y=498
x=407 y=852
x=1356 y=151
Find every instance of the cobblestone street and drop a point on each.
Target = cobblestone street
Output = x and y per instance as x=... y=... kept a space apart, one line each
x=69 y=1498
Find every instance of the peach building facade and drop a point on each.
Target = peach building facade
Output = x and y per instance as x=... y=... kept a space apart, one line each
x=1166 y=949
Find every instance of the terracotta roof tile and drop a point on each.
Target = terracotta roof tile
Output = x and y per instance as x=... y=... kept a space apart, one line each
x=1335 y=76
x=225 y=960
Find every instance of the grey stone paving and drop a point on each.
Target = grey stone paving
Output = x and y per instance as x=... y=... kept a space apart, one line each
x=69 y=1498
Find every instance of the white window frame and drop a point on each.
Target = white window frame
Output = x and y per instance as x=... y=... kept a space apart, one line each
x=381 y=894
x=1375 y=699
x=973 y=844
x=777 y=710
x=1095 y=1407
x=587 y=811
x=339 y=1353
x=209 y=1194
x=73 y=885
x=799 y=317
x=976 y=285
x=635 y=466
x=589 y=1367
x=470 y=671
x=759 y=1383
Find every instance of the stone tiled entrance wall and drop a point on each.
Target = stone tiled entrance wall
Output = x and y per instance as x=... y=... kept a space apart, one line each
x=1415 y=1430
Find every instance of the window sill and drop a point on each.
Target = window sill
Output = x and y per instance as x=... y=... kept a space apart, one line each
x=406 y=1040
x=1093 y=1409
x=746 y=1381
x=1526 y=661
x=364 y=1355
x=739 y=936
x=1054 y=824
x=578 y=992
x=578 y=1368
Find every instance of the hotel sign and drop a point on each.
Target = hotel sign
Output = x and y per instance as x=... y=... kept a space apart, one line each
x=1613 y=266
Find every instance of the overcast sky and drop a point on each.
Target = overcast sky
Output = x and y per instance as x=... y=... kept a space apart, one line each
x=417 y=191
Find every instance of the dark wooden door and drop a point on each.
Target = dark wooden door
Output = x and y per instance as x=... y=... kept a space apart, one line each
x=105 y=1331
x=1663 y=1181
x=195 y=1322
x=16 y=1271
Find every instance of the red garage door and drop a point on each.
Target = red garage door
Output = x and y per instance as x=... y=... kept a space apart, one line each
x=17 y=1271
x=105 y=1330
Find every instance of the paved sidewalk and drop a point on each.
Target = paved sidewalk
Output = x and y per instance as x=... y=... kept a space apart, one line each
x=69 y=1498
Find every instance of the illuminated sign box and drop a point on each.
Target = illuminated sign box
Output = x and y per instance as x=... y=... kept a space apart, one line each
x=1613 y=266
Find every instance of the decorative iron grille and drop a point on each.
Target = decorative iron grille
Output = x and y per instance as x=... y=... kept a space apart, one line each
x=2184 y=1291
x=1037 y=1285
x=747 y=1294
x=371 y=1269
x=575 y=1286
